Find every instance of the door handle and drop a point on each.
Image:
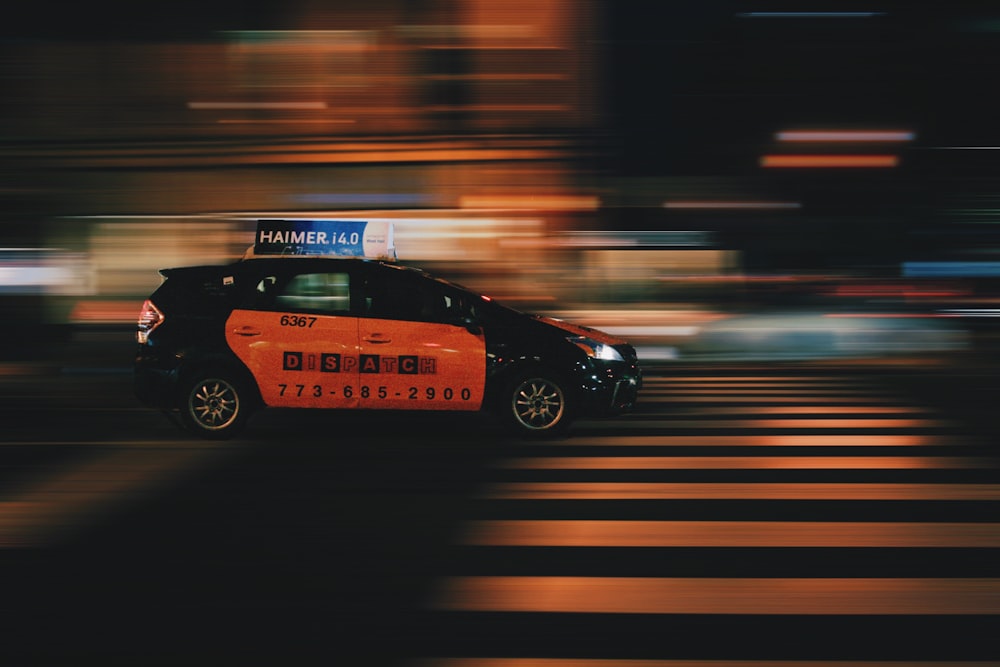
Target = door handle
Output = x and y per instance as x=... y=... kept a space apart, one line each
x=376 y=339
x=246 y=331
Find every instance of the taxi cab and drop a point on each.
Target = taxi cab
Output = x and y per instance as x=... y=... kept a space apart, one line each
x=318 y=314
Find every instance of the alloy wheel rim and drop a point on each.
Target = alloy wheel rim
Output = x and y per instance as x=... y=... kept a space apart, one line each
x=214 y=404
x=538 y=404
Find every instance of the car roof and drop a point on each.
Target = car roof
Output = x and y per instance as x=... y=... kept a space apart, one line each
x=321 y=260
x=258 y=265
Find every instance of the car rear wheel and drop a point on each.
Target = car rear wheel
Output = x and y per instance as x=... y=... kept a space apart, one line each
x=538 y=406
x=215 y=406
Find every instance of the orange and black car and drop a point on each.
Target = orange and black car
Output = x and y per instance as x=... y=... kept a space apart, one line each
x=217 y=343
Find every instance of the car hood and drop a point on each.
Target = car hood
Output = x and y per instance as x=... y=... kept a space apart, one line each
x=580 y=330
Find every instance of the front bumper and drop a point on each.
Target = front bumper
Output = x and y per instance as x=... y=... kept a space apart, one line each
x=610 y=389
x=625 y=394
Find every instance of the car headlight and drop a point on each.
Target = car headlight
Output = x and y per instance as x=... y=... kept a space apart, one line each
x=595 y=349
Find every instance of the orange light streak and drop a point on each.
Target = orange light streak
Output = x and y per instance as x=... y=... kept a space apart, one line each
x=891 y=290
x=729 y=534
x=59 y=507
x=785 y=440
x=746 y=463
x=780 y=387
x=616 y=662
x=647 y=595
x=809 y=410
x=836 y=161
x=845 y=135
x=732 y=397
x=842 y=423
x=738 y=491
x=482 y=108
x=339 y=154
x=532 y=202
x=830 y=425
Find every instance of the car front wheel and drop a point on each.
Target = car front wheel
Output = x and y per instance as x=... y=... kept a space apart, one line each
x=214 y=406
x=538 y=406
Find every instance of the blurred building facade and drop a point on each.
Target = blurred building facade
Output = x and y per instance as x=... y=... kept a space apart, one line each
x=562 y=153
x=113 y=126
x=138 y=153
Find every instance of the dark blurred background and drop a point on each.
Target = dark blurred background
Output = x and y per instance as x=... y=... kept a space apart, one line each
x=688 y=174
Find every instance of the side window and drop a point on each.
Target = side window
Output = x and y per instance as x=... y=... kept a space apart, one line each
x=325 y=293
x=388 y=297
x=448 y=304
x=412 y=298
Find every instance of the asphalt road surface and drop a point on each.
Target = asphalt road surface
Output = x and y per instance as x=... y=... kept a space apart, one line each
x=813 y=514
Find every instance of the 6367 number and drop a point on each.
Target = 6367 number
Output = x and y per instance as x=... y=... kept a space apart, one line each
x=304 y=321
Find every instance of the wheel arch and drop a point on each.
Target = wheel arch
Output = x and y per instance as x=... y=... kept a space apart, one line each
x=500 y=379
x=507 y=385
x=219 y=363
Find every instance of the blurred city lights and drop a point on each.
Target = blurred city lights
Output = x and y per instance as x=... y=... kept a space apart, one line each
x=521 y=149
x=530 y=202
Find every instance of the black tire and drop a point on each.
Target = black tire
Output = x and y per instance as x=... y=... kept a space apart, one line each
x=537 y=405
x=215 y=405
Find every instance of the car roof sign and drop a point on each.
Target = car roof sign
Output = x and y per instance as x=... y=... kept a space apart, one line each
x=323 y=238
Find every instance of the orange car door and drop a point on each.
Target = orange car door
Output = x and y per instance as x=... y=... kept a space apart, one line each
x=300 y=340
x=410 y=356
